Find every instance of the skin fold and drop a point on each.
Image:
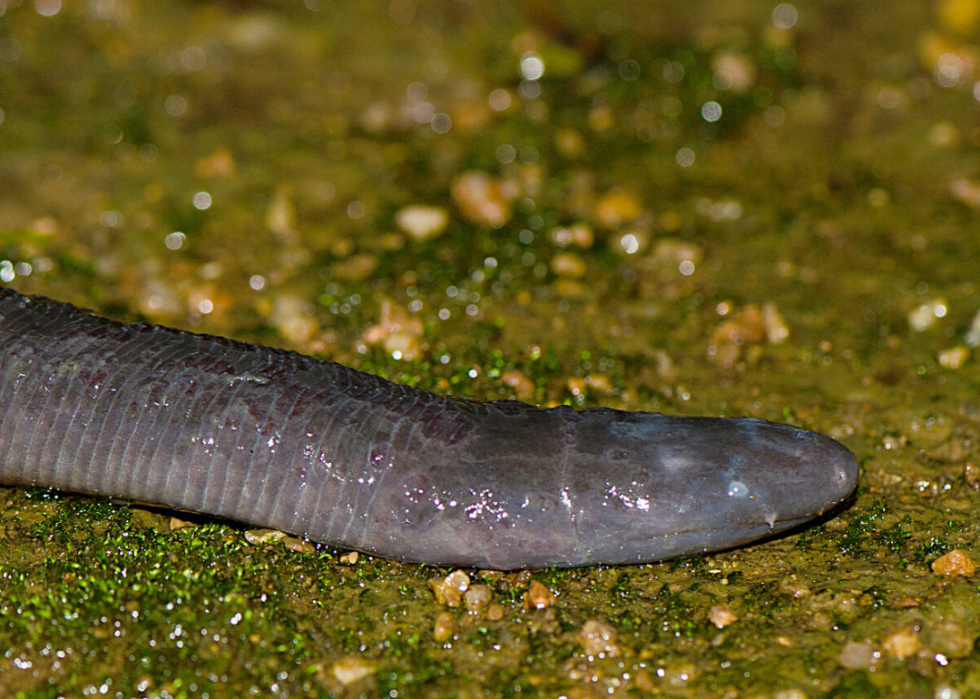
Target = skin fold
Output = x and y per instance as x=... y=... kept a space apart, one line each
x=194 y=422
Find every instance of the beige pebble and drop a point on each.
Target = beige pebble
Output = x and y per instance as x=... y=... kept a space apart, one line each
x=281 y=215
x=290 y=315
x=352 y=668
x=495 y=612
x=776 y=329
x=444 y=627
x=403 y=345
x=356 y=267
x=955 y=562
x=966 y=192
x=794 y=588
x=721 y=616
x=729 y=339
x=599 y=382
x=477 y=598
x=422 y=222
x=522 y=385
x=449 y=590
x=734 y=70
x=580 y=235
x=399 y=332
x=794 y=693
x=954 y=357
x=925 y=315
x=376 y=117
x=857 y=656
x=298 y=545
x=903 y=643
x=483 y=199
x=350 y=558
x=176 y=524
x=47 y=225
x=264 y=536
x=569 y=265
x=598 y=637
x=538 y=596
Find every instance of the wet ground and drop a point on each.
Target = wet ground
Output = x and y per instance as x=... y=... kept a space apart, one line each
x=733 y=208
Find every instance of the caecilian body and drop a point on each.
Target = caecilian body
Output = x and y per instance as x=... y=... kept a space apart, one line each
x=149 y=414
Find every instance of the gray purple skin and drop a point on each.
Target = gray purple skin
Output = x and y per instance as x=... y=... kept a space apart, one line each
x=148 y=414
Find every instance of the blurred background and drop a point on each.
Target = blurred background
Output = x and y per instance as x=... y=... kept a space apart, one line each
x=726 y=208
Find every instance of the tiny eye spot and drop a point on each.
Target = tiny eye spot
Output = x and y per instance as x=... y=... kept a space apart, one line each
x=737 y=489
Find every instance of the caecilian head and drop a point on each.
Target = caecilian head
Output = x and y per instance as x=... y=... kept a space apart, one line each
x=645 y=486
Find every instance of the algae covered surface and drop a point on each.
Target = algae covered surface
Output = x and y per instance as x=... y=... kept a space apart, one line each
x=720 y=208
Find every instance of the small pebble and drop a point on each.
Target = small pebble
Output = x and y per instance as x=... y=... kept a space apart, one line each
x=352 y=668
x=444 y=628
x=598 y=637
x=356 y=267
x=350 y=558
x=422 y=222
x=972 y=336
x=176 y=524
x=281 y=215
x=264 y=536
x=794 y=588
x=857 y=656
x=790 y=694
x=734 y=70
x=298 y=545
x=483 y=199
x=399 y=332
x=477 y=598
x=522 y=385
x=903 y=643
x=538 y=596
x=495 y=612
x=290 y=315
x=954 y=357
x=925 y=315
x=568 y=265
x=955 y=562
x=721 y=616
x=580 y=235
x=776 y=329
x=449 y=590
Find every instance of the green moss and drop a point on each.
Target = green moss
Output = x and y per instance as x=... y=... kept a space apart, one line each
x=847 y=223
